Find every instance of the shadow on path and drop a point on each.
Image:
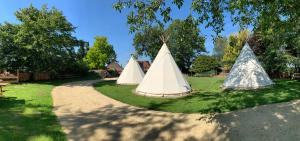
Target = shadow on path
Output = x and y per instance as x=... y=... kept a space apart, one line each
x=106 y=119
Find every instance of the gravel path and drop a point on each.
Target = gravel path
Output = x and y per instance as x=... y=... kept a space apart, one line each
x=85 y=114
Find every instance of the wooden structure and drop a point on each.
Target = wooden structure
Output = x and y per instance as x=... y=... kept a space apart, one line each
x=8 y=77
x=115 y=67
x=145 y=65
x=296 y=76
x=1 y=87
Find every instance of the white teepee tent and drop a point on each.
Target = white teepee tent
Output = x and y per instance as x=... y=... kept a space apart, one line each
x=132 y=73
x=247 y=72
x=163 y=79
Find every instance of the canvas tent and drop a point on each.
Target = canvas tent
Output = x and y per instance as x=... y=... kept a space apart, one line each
x=247 y=72
x=164 y=79
x=132 y=73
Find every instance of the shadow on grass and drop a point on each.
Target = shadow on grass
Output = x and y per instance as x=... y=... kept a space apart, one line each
x=205 y=101
x=266 y=122
x=16 y=125
x=26 y=112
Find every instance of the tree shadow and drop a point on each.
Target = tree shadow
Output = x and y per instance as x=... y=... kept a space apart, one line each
x=268 y=122
x=130 y=123
x=230 y=100
x=17 y=125
x=23 y=116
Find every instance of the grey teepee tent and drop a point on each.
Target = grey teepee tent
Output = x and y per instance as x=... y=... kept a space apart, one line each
x=247 y=72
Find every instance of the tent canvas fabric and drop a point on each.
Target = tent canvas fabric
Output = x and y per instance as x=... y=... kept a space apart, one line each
x=164 y=79
x=132 y=73
x=247 y=72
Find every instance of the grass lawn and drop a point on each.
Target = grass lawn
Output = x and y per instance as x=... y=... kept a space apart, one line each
x=207 y=97
x=26 y=113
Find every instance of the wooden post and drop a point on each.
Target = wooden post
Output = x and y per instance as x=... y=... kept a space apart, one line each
x=18 y=75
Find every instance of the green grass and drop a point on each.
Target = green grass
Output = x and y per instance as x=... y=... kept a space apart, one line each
x=207 y=97
x=26 y=112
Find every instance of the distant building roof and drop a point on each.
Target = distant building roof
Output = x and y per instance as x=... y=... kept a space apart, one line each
x=145 y=65
x=114 y=66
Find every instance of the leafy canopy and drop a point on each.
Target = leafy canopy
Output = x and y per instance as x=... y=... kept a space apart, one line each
x=41 y=41
x=233 y=48
x=100 y=54
x=143 y=13
x=185 y=42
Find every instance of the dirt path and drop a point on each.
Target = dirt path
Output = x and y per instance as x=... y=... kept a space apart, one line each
x=85 y=114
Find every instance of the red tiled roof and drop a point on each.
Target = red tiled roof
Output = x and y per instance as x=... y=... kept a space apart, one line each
x=114 y=66
x=145 y=65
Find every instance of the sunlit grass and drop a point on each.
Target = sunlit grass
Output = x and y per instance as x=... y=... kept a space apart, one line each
x=26 y=112
x=207 y=96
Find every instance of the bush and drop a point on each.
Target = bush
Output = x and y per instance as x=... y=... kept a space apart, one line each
x=204 y=63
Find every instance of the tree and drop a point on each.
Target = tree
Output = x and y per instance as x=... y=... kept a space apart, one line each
x=185 y=42
x=143 y=13
x=278 y=55
x=100 y=54
x=204 y=63
x=219 y=45
x=83 y=49
x=147 y=42
x=12 y=54
x=233 y=48
x=277 y=22
x=41 y=41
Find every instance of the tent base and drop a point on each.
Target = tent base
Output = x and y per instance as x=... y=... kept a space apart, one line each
x=246 y=88
x=175 y=95
x=132 y=84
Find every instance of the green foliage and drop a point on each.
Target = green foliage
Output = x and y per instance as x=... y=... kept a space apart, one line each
x=219 y=45
x=278 y=48
x=185 y=42
x=204 y=63
x=42 y=41
x=233 y=48
x=11 y=53
x=100 y=54
x=148 y=42
x=143 y=13
x=207 y=96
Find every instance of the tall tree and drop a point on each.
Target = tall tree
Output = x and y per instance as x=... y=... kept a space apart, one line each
x=147 y=42
x=233 y=48
x=42 y=40
x=185 y=42
x=219 y=45
x=276 y=21
x=100 y=54
x=12 y=54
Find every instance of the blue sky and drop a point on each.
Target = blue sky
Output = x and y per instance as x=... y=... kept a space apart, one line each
x=98 y=18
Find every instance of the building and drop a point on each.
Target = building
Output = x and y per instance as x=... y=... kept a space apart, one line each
x=145 y=65
x=115 y=67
